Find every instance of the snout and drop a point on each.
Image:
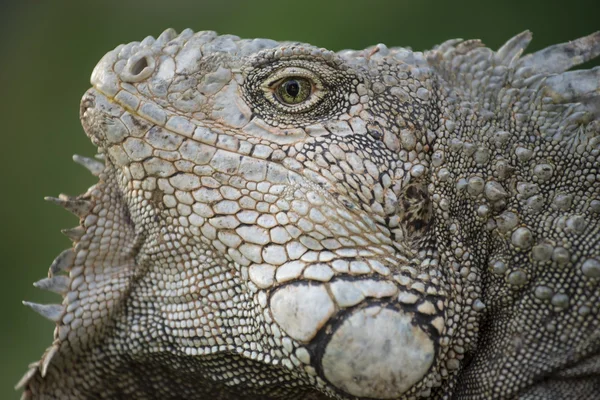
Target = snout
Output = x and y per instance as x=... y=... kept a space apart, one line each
x=100 y=119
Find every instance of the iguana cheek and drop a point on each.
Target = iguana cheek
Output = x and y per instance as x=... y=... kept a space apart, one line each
x=366 y=345
x=377 y=352
x=301 y=310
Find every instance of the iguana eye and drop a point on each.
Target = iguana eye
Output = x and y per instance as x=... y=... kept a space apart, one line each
x=294 y=89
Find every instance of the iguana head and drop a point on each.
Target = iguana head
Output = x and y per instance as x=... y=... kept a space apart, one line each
x=296 y=178
x=298 y=174
x=326 y=221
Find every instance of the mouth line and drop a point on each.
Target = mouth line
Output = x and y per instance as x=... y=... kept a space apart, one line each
x=276 y=160
x=212 y=135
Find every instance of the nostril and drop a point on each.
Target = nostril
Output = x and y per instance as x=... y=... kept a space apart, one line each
x=139 y=67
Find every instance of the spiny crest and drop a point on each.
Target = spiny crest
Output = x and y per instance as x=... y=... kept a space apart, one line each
x=505 y=84
x=57 y=282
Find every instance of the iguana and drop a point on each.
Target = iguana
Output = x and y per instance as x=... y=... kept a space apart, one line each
x=275 y=220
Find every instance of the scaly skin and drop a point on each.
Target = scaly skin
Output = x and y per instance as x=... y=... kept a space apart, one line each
x=277 y=221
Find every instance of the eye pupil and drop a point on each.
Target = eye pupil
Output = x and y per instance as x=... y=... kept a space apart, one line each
x=292 y=88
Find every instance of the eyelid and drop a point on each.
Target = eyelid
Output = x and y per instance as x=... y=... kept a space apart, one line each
x=318 y=91
x=293 y=72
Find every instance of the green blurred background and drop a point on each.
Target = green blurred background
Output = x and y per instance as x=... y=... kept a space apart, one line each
x=48 y=50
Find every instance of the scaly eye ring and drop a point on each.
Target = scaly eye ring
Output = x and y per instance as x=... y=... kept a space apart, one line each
x=293 y=89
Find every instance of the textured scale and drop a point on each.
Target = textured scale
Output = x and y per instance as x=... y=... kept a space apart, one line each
x=421 y=225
